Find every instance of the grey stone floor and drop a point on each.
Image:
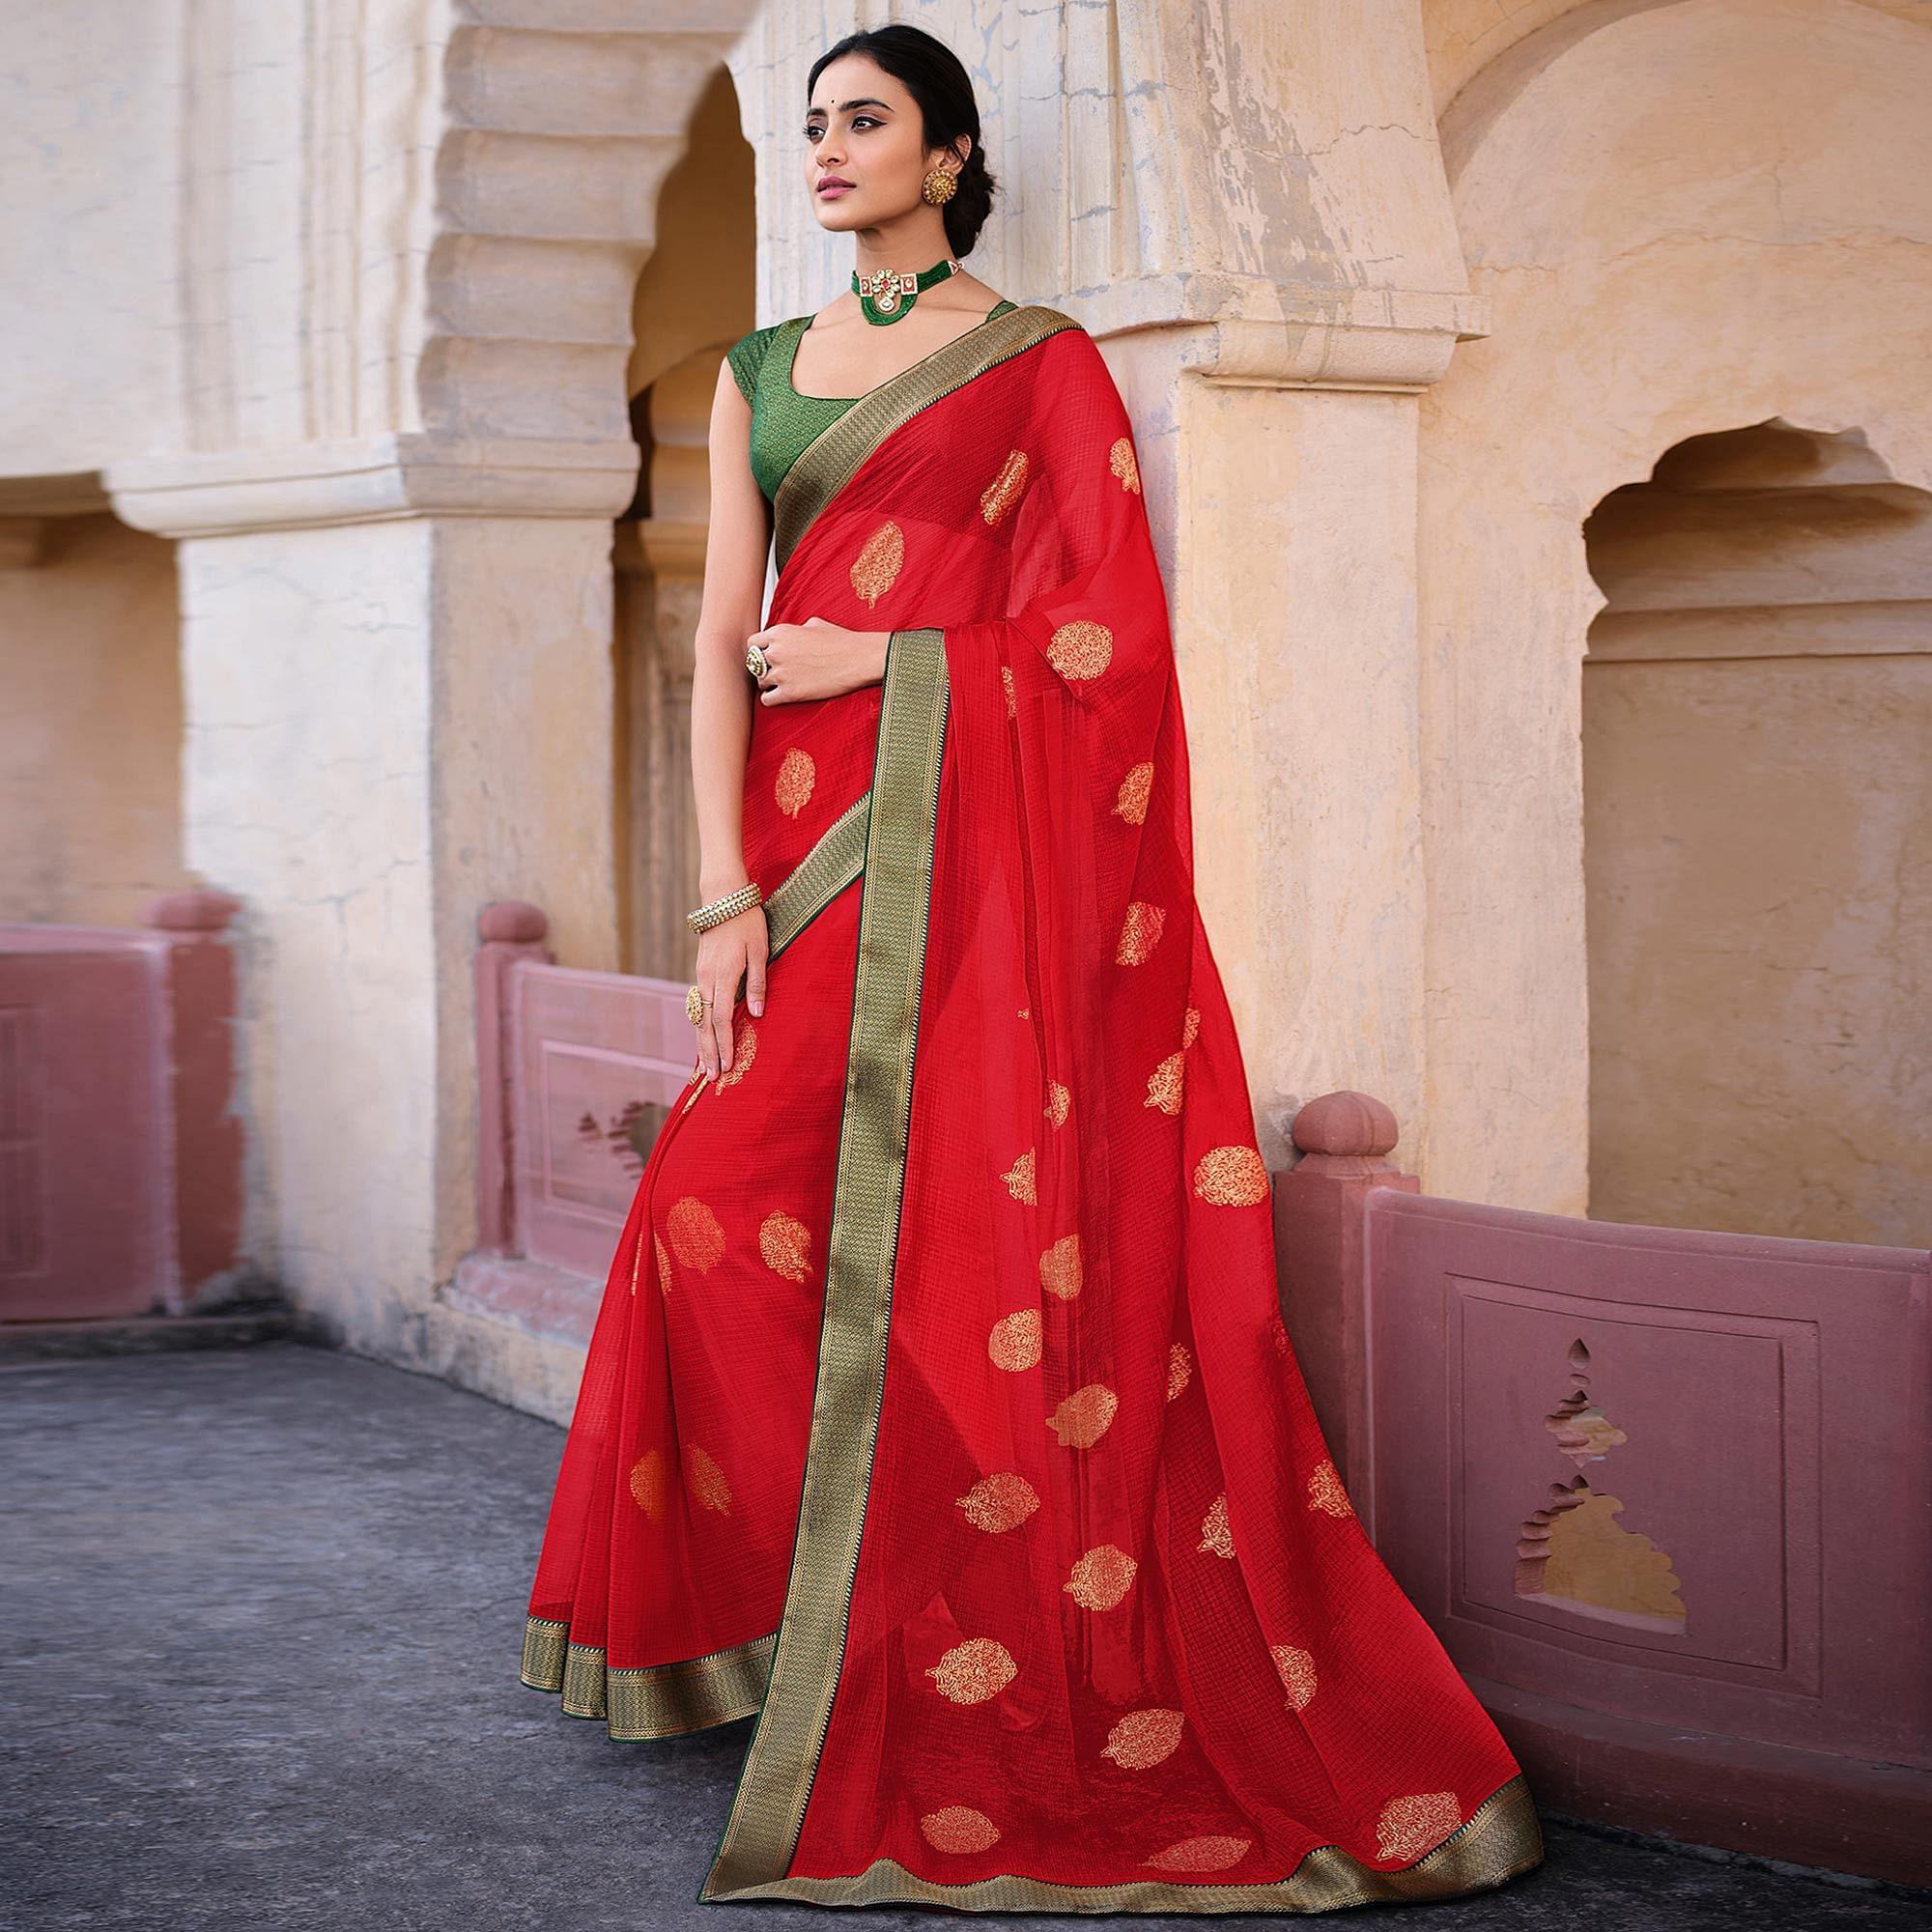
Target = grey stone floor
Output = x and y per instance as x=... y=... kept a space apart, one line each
x=260 y=1669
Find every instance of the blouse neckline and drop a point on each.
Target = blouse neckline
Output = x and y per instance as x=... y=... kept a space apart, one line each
x=999 y=309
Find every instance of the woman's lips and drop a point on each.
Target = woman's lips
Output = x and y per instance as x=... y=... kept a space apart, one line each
x=831 y=190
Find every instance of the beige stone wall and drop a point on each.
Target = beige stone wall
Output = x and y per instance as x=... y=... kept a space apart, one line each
x=1760 y=837
x=91 y=228
x=1757 y=704
x=1689 y=218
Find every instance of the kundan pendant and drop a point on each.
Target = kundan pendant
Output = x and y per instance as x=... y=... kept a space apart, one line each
x=887 y=295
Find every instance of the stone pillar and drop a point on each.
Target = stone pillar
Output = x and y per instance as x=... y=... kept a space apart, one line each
x=398 y=699
x=1293 y=612
x=1293 y=285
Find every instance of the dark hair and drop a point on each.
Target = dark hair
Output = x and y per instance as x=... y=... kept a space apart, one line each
x=938 y=83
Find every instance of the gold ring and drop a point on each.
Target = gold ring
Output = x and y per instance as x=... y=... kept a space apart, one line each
x=693 y=1007
x=756 y=662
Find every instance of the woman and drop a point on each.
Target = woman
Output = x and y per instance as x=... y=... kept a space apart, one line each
x=940 y=1410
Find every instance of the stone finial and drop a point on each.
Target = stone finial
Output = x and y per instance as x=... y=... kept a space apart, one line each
x=1346 y=1124
x=513 y=921
x=199 y=910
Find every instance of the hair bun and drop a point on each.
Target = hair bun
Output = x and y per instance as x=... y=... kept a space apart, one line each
x=972 y=201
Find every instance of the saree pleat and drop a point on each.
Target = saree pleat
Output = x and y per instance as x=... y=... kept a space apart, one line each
x=941 y=1409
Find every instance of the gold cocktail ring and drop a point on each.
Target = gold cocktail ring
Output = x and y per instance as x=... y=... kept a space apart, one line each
x=756 y=662
x=693 y=1007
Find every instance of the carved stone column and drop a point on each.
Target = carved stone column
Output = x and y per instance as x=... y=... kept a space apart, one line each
x=406 y=437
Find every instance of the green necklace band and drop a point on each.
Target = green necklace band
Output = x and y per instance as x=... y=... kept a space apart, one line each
x=887 y=295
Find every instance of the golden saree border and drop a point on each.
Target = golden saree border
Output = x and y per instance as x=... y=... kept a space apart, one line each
x=660 y=1700
x=668 y=1699
x=834 y=861
x=768 y=1806
x=1498 y=1840
x=827 y=463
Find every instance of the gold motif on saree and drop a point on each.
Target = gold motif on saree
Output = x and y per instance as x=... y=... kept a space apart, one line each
x=744 y=1050
x=999 y=1502
x=970 y=1673
x=1058 y=1100
x=1131 y=800
x=1014 y=1342
x=1164 y=1084
x=958 y=1827
x=696 y=1235
x=1140 y=932
x=1190 y=1027
x=1232 y=1176
x=1082 y=1418
x=664 y=1265
x=792 y=788
x=637 y=1263
x=1410 y=1827
x=1080 y=649
x=1215 y=1535
x=785 y=1243
x=1101 y=1577
x=1179 y=1368
x=1325 y=1492
x=1296 y=1670
x=1004 y=490
x=1204 y=1854
x=705 y=1479
x=648 y=1484
x=1019 y=1179
x=1059 y=1267
x=878 y=562
x=1143 y=1737
x=1120 y=461
x=1007 y=685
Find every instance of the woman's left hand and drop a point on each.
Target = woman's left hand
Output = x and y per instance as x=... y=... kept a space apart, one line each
x=817 y=658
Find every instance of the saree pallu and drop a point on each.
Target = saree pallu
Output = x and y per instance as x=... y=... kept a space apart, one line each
x=941 y=1410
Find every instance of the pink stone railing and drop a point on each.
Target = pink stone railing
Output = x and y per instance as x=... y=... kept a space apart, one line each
x=1664 y=1495
x=120 y=1147
x=577 y=1071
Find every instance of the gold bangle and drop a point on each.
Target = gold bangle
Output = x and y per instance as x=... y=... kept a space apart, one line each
x=728 y=907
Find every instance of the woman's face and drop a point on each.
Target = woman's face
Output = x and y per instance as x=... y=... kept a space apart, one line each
x=864 y=127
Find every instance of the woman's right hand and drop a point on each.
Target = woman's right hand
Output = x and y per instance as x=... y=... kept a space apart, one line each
x=733 y=949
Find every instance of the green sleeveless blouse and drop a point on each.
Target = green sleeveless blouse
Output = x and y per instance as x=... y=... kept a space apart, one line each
x=782 y=421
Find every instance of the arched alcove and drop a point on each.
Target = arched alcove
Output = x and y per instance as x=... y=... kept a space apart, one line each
x=693 y=299
x=1757 y=702
x=1688 y=220
x=91 y=728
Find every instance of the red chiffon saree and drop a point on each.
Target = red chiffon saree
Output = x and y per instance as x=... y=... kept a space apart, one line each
x=940 y=1410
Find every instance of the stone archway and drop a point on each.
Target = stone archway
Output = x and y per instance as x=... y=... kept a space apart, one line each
x=1675 y=241
x=405 y=439
x=692 y=301
x=1757 y=701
